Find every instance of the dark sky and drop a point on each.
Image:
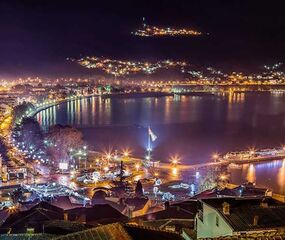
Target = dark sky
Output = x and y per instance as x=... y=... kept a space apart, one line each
x=38 y=35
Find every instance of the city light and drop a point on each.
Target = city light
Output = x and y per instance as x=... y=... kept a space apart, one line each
x=223 y=177
x=154 y=31
x=142 y=131
x=123 y=68
x=215 y=156
x=137 y=166
x=252 y=151
x=174 y=171
x=175 y=160
x=126 y=152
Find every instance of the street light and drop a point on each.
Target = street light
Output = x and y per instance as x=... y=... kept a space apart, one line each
x=223 y=177
x=215 y=156
x=174 y=171
x=137 y=166
x=252 y=151
x=126 y=153
x=175 y=160
x=108 y=156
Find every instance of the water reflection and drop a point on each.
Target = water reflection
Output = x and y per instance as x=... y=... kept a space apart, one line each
x=192 y=126
x=281 y=176
x=251 y=177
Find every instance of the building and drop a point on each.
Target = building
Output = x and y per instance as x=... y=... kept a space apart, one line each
x=174 y=217
x=218 y=217
x=118 y=231
x=137 y=206
x=32 y=220
x=97 y=214
x=131 y=207
x=245 y=190
x=64 y=202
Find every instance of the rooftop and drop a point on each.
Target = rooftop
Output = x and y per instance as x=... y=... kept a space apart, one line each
x=106 y=232
x=101 y=213
x=183 y=210
x=250 y=214
x=245 y=191
x=272 y=235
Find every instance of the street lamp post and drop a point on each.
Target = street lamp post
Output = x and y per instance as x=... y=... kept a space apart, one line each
x=85 y=154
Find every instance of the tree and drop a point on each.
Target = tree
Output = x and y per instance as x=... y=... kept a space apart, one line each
x=31 y=134
x=139 y=189
x=61 y=139
x=3 y=150
x=210 y=180
x=20 y=110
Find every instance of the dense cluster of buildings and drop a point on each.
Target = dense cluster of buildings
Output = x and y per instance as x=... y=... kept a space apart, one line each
x=240 y=212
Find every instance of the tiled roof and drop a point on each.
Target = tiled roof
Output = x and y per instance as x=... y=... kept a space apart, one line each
x=36 y=216
x=150 y=233
x=271 y=235
x=103 y=213
x=240 y=191
x=244 y=211
x=26 y=236
x=63 y=202
x=138 y=203
x=183 y=210
x=106 y=232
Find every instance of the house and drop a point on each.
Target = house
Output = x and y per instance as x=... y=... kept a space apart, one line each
x=245 y=190
x=137 y=206
x=110 y=231
x=280 y=235
x=130 y=207
x=119 y=231
x=32 y=220
x=97 y=214
x=100 y=197
x=64 y=202
x=218 y=217
x=150 y=233
x=173 y=218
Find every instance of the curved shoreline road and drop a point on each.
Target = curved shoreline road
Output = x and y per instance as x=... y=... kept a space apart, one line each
x=44 y=106
x=131 y=94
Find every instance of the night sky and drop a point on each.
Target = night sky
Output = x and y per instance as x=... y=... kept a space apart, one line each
x=37 y=36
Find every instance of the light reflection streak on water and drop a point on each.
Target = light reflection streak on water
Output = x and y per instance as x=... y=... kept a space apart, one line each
x=93 y=110
x=281 y=176
x=192 y=135
x=251 y=176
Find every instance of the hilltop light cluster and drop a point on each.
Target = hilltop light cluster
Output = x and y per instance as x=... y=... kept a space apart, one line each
x=122 y=68
x=153 y=31
x=271 y=74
